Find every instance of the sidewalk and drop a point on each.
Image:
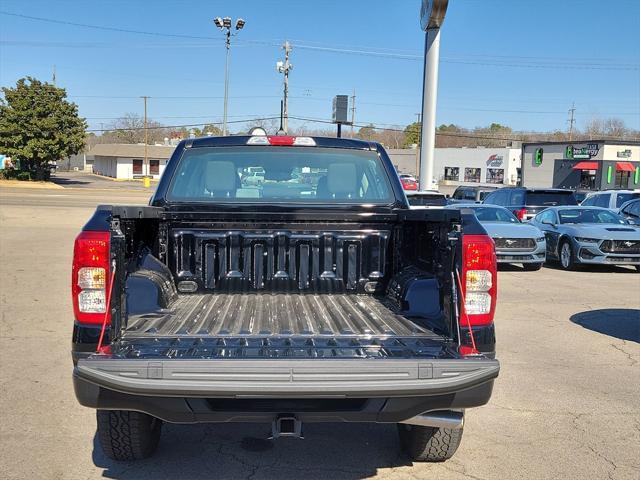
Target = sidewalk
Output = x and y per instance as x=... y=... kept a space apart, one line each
x=29 y=184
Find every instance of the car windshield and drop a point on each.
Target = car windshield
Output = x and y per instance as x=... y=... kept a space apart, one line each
x=488 y=214
x=256 y=174
x=588 y=215
x=625 y=197
x=550 y=198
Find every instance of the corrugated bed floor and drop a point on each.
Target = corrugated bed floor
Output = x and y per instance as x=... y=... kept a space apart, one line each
x=274 y=315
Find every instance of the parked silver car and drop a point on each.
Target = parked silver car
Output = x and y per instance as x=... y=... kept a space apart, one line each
x=515 y=242
x=592 y=235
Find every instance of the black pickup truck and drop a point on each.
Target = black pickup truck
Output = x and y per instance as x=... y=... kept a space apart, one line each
x=316 y=295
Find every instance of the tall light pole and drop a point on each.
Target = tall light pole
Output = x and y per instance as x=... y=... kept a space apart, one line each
x=224 y=24
x=432 y=16
x=285 y=67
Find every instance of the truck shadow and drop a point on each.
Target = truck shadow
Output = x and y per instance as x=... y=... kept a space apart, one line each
x=329 y=450
x=622 y=323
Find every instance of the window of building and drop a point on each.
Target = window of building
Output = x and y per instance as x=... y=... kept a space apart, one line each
x=452 y=173
x=472 y=175
x=622 y=179
x=588 y=179
x=495 y=175
x=137 y=166
x=154 y=167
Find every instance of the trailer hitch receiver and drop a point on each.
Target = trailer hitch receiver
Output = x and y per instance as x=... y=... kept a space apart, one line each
x=286 y=426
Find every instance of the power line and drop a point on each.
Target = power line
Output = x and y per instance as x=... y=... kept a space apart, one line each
x=490 y=60
x=162 y=127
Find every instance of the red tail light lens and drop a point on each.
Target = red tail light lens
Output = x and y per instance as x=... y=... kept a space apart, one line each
x=90 y=277
x=521 y=213
x=479 y=278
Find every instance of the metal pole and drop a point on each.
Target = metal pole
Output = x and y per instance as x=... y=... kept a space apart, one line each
x=429 y=97
x=226 y=84
x=145 y=170
x=353 y=111
x=287 y=67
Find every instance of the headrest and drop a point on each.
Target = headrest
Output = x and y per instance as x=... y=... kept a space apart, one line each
x=221 y=179
x=341 y=178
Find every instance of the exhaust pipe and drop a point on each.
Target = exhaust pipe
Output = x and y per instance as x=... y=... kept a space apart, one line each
x=440 y=419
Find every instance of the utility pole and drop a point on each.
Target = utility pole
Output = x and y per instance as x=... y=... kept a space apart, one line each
x=285 y=67
x=418 y=117
x=353 y=111
x=572 y=119
x=145 y=169
x=224 y=24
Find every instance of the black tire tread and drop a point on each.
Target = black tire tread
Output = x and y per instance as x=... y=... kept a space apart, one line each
x=126 y=435
x=429 y=444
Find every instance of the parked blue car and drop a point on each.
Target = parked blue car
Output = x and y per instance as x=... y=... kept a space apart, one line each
x=588 y=235
x=515 y=242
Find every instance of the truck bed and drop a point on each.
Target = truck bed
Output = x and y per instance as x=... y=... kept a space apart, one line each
x=276 y=325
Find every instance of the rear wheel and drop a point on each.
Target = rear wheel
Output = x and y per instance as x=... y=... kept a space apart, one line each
x=532 y=267
x=429 y=444
x=567 y=259
x=126 y=435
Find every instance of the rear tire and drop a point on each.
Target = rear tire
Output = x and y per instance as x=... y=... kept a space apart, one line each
x=429 y=444
x=126 y=435
x=532 y=267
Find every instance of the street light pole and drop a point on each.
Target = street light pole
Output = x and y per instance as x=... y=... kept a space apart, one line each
x=224 y=24
x=432 y=15
x=226 y=84
x=429 y=99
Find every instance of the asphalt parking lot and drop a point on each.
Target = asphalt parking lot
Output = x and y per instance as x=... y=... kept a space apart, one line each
x=566 y=404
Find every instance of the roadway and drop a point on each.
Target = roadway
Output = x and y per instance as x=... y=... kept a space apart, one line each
x=566 y=404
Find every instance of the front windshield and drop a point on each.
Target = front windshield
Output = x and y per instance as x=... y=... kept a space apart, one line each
x=588 y=215
x=256 y=174
x=488 y=214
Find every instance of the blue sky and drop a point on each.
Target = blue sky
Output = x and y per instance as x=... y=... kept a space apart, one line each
x=517 y=62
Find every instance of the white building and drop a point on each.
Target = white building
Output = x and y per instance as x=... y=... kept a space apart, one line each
x=126 y=161
x=465 y=166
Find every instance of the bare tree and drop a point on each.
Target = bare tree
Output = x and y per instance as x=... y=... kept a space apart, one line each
x=130 y=129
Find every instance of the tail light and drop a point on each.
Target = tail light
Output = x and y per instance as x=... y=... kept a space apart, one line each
x=479 y=278
x=90 y=276
x=521 y=213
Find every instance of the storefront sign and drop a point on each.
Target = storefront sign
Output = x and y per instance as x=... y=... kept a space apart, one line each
x=495 y=161
x=591 y=150
x=624 y=153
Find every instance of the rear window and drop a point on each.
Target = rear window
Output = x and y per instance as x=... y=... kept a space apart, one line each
x=625 y=197
x=269 y=174
x=427 y=200
x=550 y=199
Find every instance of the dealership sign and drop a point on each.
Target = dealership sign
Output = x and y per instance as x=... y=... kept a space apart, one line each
x=495 y=160
x=591 y=150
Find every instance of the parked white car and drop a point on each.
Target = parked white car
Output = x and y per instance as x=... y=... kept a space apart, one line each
x=611 y=199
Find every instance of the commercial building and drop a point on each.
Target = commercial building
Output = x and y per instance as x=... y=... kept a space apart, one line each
x=465 y=166
x=126 y=161
x=592 y=165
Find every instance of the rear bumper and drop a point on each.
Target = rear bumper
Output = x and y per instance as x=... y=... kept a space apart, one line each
x=183 y=391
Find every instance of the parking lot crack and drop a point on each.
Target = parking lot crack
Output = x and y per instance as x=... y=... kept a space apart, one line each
x=629 y=355
x=603 y=457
